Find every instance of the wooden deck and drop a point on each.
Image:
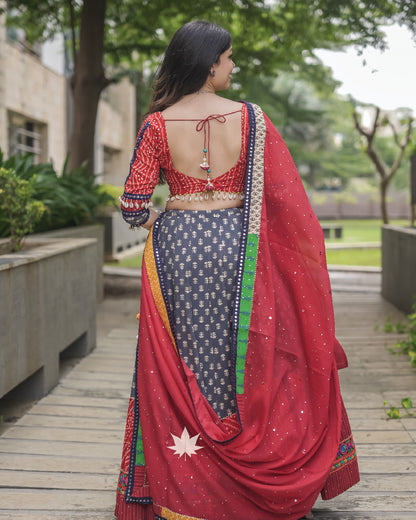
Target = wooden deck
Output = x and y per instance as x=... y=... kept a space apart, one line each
x=60 y=460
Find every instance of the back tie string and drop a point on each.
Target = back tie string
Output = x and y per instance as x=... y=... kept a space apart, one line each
x=204 y=124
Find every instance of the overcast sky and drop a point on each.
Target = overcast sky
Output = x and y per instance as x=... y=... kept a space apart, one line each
x=388 y=80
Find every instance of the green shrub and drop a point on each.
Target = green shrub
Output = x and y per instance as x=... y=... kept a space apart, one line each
x=70 y=199
x=21 y=211
x=408 y=345
x=114 y=192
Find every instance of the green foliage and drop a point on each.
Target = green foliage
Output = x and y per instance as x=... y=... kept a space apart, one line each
x=279 y=35
x=388 y=326
x=112 y=192
x=70 y=199
x=19 y=208
x=408 y=345
x=393 y=412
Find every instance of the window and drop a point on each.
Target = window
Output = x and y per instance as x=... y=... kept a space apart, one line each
x=26 y=136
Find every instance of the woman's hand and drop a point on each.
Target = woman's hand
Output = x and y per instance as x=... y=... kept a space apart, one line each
x=153 y=215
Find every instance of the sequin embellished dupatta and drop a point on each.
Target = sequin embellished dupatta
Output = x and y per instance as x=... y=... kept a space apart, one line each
x=272 y=458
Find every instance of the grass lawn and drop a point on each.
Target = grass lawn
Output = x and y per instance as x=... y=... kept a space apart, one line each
x=133 y=262
x=353 y=231
x=361 y=257
x=360 y=230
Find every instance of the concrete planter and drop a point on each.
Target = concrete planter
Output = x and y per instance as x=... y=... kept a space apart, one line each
x=47 y=309
x=118 y=237
x=93 y=231
x=398 y=284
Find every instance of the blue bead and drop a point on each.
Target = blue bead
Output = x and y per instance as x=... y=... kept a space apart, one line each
x=205 y=150
x=209 y=170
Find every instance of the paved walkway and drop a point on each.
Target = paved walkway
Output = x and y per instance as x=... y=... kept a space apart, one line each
x=60 y=460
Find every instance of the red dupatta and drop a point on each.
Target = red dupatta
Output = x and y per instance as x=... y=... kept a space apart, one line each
x=272 y=458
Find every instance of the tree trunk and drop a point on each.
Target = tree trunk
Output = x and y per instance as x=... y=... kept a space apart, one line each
x=383 y=202
x=139 y=86
x=87 y=83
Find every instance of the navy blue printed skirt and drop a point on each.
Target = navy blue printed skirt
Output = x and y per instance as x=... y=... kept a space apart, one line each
x=199 y=253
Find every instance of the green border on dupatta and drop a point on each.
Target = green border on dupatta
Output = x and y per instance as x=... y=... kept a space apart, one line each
x=139 y=447
x=252 y=246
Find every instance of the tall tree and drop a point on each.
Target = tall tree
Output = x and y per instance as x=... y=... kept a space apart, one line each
x=268 y=36
x=87 y=82
x=385 y=171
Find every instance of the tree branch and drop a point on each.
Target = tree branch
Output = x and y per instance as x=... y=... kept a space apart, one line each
x=379 y=164
x=358 y=125
x=402 y=147
x=395 y=134
x=369 y=135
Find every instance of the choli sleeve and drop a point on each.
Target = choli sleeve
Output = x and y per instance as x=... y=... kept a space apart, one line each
x=143 y=176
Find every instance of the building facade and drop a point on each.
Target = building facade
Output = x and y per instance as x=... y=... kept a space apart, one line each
x=35 y=114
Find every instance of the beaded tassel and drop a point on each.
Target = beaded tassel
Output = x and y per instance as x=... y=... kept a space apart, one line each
x=205 y=166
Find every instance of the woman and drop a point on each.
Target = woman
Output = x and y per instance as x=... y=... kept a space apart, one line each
x=235 y=410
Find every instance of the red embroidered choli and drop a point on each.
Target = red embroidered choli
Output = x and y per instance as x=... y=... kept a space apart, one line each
x=151 y=154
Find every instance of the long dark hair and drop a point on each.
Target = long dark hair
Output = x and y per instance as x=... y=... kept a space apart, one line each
x=187 y=62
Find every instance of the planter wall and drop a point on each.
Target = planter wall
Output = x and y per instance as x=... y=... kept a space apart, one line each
x=118 y=237
x=47 y=306
x=94 y=231
x=398 y=284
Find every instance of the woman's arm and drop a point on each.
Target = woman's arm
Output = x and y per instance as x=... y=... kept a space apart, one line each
x=142 y=178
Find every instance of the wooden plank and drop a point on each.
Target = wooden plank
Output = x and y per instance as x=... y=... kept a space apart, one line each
x=78 y=411
x=396 y=396
x=57 y=480
x=83 y=423
x=386 y=483
x=55 y=515
x=85 y=401
x=355 y=501
x=58 y=448
x=89 y=375
x=378 y=437
x=320 y=514
x=91 y=385
x=375 y=424
x=57 y=500
x=413 y=435
x=356 y=399
x=125 y=332
x=93 y=361
x=104 y=393
x=379 y=465
x=76 y=433
x=357 y=414
x=62 y=434
x=71 y=463
x=386 y=451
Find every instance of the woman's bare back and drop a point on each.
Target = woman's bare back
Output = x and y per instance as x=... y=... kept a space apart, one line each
x=186 y=144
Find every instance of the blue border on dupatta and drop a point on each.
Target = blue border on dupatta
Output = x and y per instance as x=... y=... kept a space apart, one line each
x=128 y=498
